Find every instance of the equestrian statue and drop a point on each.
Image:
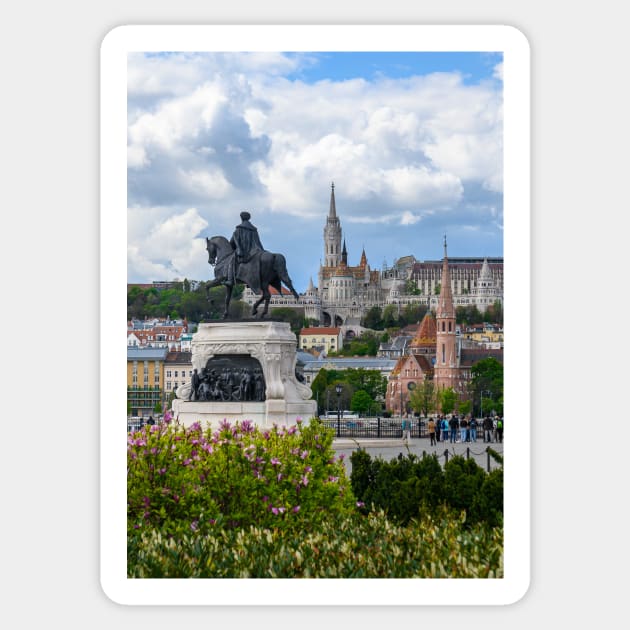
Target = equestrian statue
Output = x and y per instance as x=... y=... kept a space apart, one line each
x=243 y=260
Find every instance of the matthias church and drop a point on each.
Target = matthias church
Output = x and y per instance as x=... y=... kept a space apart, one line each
x=345 y=293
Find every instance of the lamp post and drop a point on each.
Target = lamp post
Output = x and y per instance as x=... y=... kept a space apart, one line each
x=338 y=390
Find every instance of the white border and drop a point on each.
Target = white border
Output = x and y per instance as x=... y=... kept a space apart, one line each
x=515 y=47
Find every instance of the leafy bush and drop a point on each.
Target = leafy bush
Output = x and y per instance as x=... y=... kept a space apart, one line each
x=182 y=480
x=350 y=547
x=409 y=487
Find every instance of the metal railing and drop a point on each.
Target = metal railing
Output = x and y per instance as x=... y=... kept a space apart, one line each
x=376 y=427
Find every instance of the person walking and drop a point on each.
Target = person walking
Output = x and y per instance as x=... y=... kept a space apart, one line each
x=487 y=429
x=454 y=425
x=432 y=432
x=500 y=428
x=473 y=429
x=406 y=430
x=445 y=429
x=463 y=429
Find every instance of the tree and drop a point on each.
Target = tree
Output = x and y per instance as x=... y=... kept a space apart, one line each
x=487 y=377
x=448 y=399
x=373 y=318
x=413 y=313
x=347 y=391
x=318 y=387
x=411 y=288
x=370 y=381
x=361 y=401
x=390 y=316
x=290 y=315
x=465 y=407
x=422 y=398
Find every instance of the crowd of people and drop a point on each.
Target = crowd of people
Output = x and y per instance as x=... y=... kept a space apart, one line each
x=454 y=429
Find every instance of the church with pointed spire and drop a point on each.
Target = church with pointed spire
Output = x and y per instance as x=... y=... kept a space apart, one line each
x=344 y=292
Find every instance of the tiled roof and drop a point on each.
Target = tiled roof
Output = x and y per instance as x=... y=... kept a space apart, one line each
x=320 y=331
x=427 y=332
x=179 y=357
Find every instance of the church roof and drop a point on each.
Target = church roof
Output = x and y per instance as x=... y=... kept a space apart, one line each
x=427 y=332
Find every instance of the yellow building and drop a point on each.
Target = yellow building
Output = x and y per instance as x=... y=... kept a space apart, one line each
x=145 y=380
x=321 y=337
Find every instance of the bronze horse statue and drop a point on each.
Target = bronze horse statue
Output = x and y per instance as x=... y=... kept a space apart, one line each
x=263 y=270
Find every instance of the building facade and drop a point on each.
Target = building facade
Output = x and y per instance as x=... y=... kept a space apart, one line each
x=346 y=292
x=330 y=339
x=145 y=381
x=439 y=352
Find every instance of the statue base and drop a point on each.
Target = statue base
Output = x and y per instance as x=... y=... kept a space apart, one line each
x=273 y=346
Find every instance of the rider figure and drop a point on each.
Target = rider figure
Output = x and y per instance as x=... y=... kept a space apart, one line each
x=246 y=243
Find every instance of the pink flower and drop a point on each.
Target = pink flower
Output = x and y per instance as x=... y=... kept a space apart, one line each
x=296 y=508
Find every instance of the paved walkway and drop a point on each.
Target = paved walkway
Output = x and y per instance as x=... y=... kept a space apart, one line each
x=389 y=449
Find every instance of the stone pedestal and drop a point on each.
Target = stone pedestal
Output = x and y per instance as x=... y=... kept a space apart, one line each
x=273 y=345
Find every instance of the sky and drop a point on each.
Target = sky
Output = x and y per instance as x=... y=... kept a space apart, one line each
x=412 y=141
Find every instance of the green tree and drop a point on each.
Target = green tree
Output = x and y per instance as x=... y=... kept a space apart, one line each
x=413 y=313
x=294 y=317
x=422 y=398
x=487 y=377
x=448 y=399
x=361 y=401
x=390 y=316
x=411 y=288
x=373 y=318
x=370 y=381
x=347 y=391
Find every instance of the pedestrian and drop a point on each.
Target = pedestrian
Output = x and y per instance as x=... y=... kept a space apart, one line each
x=473 y=429
x=500 y=429
x=432 y=431
x=406 y=429
x=445 y=429
x=463 y=428
x=453 y=425
x=487 y=429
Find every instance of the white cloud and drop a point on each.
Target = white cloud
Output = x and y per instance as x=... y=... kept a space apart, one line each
x=408 y=218
x=172 y=246
x=225 y=132
x=209 y=182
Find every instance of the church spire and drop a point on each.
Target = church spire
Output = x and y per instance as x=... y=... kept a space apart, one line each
x=344 y=253
x=445 y=302
x=363 y=261
x=332 y=234
x=332 y=213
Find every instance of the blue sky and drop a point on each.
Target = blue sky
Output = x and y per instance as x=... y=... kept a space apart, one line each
x=413 y=142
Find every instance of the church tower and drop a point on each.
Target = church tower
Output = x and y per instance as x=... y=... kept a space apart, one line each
x=332 y=234
x=446 y=361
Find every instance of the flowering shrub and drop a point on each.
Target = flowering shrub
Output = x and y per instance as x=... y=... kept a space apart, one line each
x=190 y=479
x=354 y=546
